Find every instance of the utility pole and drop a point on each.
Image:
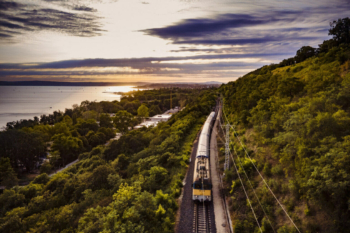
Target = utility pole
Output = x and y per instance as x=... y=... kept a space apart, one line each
x=227 y=148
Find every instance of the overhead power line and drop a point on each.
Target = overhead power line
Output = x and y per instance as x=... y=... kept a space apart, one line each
x=247 y=154
x=241 y=165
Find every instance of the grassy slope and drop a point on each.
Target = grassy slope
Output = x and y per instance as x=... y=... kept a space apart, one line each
x=294 y=121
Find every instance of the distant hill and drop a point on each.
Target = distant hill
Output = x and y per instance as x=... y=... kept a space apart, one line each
x=139 y=84
x=181 y=85
x=50 y=83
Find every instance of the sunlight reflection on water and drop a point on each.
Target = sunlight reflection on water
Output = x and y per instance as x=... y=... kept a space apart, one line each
x=25 y=102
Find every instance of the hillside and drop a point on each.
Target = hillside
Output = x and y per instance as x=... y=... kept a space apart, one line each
x=294 y=118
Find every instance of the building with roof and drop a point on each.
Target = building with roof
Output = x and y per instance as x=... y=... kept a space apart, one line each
x=153 y=121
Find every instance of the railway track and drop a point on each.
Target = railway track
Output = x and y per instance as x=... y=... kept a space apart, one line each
x=202 y=218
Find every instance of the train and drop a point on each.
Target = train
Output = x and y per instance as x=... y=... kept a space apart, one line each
x=201 y=187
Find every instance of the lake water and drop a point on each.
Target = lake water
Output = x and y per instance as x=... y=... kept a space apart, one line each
x=25 y=102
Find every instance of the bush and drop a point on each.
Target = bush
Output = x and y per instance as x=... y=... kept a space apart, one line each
x=277 y=170
x=46 y=167
x=41 y=179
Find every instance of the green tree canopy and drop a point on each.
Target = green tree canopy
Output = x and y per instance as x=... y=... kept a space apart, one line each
x=8 y=177
x=340 y=30
x=304 y=53
x=154 y=110
x=122 y=120
x=23 y=148
x=105 y=121
x=142 y=111
x=69 y=147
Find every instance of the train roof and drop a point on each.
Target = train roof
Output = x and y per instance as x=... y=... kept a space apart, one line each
x=203 y=142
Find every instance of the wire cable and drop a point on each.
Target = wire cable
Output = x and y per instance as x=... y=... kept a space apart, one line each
x=247 y=154
x=253 y=189
x=245 y=192
x=251 y=186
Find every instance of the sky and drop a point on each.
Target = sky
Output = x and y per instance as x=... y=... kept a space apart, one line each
x=156 y=40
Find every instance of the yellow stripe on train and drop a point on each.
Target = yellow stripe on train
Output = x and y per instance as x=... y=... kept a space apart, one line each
x=199 y=192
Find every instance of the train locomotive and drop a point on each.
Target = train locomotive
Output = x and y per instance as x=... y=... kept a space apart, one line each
x=201 y=188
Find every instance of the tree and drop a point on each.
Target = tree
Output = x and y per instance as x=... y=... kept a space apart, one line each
x=8 y=176
x=66 y=119
x=154 y=110
x=142 y=111
x=10 y=179
x=122 y=120
x=84 y=126
x=289 y=86
x=54 y=157
x=99 y=177
x=90 y=115
x=340 y=30
x=105 y=121
x=69 y=147
x=61 y=127
x=23 y=148
x=46 y=167
x=41 y=179
x=304 y=53
x=158 y=178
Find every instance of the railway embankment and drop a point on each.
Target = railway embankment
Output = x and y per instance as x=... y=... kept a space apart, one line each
x=222 y=221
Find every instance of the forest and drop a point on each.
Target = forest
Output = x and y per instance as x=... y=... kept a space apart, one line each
x=25 y=143
x=293 y=118
x=129 y=185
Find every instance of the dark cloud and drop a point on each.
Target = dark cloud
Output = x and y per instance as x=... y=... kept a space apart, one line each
x=9 y=25
x=2 y=35
x=8 y=5
x=84 y=8
x=205 y=27
x=194 y=50
x=22 y=18
x=259 y=27
x=243 y=41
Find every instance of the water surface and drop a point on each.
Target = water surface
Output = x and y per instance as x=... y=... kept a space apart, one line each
x=25 y=102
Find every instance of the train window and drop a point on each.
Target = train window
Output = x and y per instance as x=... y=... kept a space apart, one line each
x=197 y=186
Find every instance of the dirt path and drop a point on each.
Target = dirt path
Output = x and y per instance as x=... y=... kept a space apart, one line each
x=61 y=169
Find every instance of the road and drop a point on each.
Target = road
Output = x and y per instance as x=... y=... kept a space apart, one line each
x=68 y=165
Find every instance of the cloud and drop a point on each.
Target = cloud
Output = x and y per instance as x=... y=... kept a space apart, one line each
x=8 y=5
x=260 y=26
x=2 y=35
x=205 y=65
x=244 y=41
x=84 y=8
x=204 y=27
x=16 y=18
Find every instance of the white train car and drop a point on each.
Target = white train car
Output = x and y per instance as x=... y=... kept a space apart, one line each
x=201 y=189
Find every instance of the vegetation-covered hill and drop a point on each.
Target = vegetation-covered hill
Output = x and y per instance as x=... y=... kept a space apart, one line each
x=294 y=118
x=131 y=185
